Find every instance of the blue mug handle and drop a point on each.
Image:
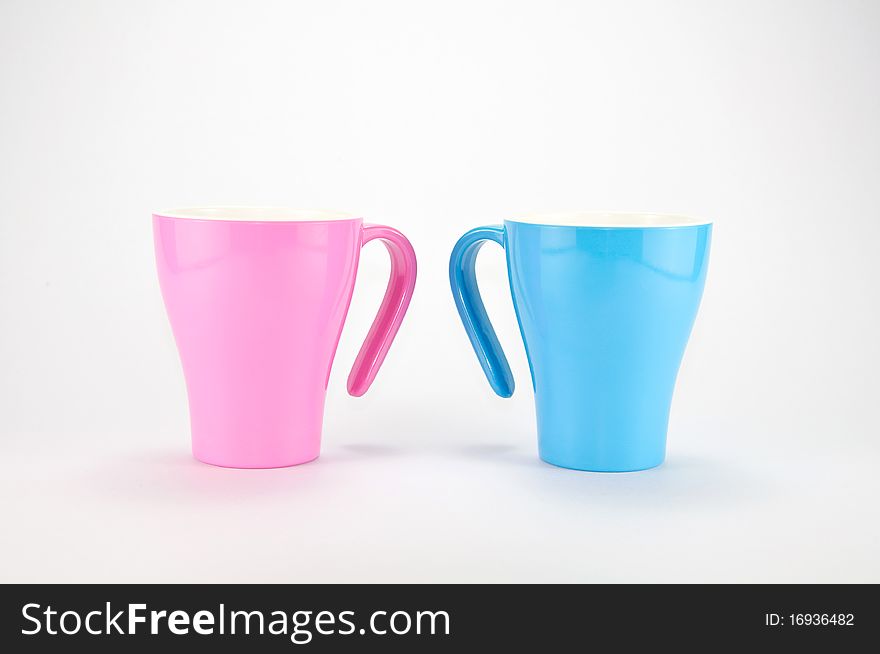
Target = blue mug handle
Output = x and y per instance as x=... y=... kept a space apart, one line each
x=463 y=279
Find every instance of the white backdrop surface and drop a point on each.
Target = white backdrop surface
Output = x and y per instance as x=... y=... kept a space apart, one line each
x=434 y=118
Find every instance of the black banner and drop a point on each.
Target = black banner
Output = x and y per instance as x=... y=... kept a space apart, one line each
x=108 y=618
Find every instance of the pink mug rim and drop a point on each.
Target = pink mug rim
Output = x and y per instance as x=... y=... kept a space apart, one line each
x=256 y=214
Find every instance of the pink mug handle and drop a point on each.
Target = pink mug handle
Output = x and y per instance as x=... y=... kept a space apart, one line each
x=394 y=305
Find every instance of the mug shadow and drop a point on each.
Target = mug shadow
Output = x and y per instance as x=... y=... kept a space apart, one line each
x=682 y=481
x=175 y=475
x=359 y=452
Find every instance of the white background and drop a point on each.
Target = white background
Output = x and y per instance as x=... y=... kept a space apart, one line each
x=434 y=118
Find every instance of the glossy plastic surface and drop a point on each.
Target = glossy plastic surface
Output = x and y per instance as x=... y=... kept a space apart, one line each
x=257 y=310
x=605 y=314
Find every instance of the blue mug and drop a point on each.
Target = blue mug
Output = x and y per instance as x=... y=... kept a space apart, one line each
x=605 y=304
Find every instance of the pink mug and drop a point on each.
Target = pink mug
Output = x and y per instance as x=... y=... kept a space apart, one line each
x=257 y=298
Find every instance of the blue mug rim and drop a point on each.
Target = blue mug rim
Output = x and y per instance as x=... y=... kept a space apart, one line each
x=608 y=220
